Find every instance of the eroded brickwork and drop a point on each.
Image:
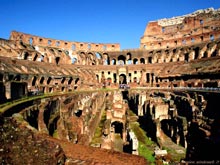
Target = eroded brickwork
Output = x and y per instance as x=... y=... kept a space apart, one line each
x=197 y=27
x=176 y=55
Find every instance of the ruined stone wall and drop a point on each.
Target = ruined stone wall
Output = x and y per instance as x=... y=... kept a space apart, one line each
x=162 y=66
x=60 y=44
x=178 y=120
x=200 y=26
x=21 y=77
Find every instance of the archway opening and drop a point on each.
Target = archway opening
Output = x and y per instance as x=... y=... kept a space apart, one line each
x=135 y=61
x=57 y=59
x=42 y=80
x=121 y=60
x=26 y=56
x=122 y=79
x=70 y=81
x=35 y=57
x=118 y=127
x=34 y=81
x=74 y=60
x=113 y=62
x=142 y=61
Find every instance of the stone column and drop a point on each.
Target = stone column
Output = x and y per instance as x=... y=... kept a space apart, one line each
x=124 y=134
x=117 y=79
x=140 y=110
x=8 y=90
x=41 y=125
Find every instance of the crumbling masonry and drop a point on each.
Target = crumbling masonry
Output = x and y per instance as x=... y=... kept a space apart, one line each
x=175 y=73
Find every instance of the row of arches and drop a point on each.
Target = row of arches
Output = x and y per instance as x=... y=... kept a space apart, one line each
x=187 y=41
x=149 y=57
x=74 y=46
x=123 y=78
x=64 y=56
x=47 y=81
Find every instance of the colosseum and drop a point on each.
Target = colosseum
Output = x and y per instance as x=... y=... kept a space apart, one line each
x=69 y=102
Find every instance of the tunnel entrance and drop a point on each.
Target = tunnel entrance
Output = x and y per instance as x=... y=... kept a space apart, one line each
x=2 y=90
x=18 y=90
x=31 y=117
x=118 y=127
x=122 y=79
x=51 y=116
x=57 y=59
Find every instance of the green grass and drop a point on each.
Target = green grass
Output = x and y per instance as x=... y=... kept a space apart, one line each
x=55 y=134
x=145 y=145
x=145 y=152
x=97 y=138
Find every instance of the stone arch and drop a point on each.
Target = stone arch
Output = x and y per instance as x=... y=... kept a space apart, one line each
x=214 y=53
x=89 y=54
x=83 y=57
x=70 y=81
x=42 y=80
x=26 y=56
x=121 y=60
x=63 y=80
x=35 y=57
x=196 y=53
x=89 y=46
x=34 y=80
x=118 y=127
x=186 y=57
x=74 y=60
x=31 y=41
x=98 y=55
x=212 y=37
x=135 y=61
x=167 y=55
x=104 y=47
x=73 y=47
x=205 y=55
x=49 y=42
x=90 y=58
x=113 y=61
x=41 y=59
x=122 y=79
x=76 y=83
x=49 y=80
x=57 y=60
x=201 y=38
x=114 y=77
x=150 y=60
x=129 y=58
x=142 y=61
x=106 y=59
x=147 y=77
x=57 y=43
x=77 y=80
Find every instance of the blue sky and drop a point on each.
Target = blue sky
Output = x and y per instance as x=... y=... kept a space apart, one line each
x=98 y=21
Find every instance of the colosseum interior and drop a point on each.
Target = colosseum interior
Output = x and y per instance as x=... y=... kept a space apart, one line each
x=69 y=102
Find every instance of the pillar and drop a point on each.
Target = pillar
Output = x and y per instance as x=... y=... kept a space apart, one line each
x=8 y=90
x=41 y=125
x=140 y=110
